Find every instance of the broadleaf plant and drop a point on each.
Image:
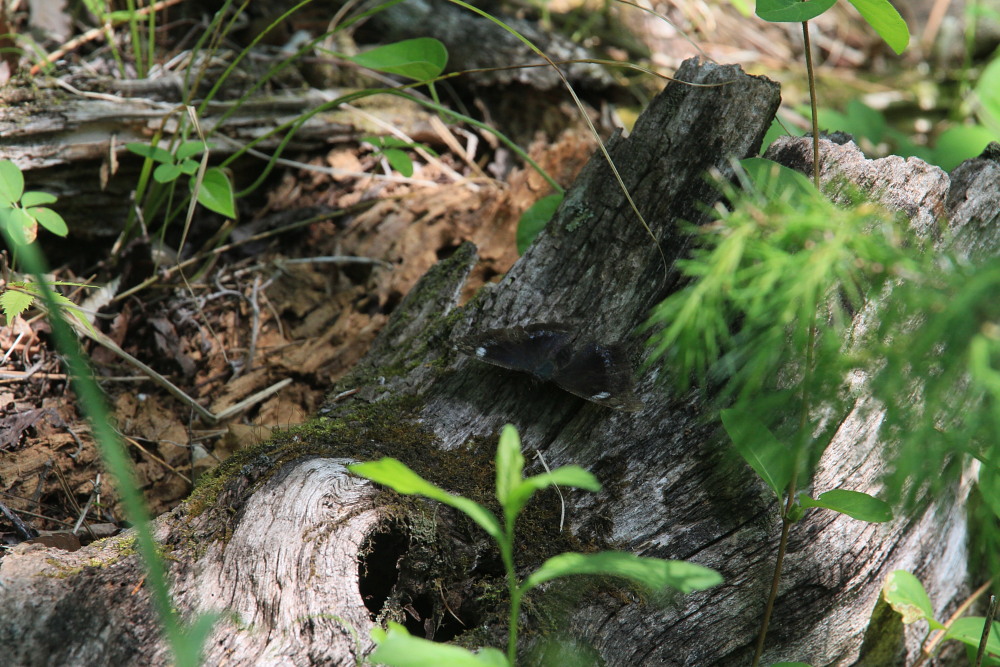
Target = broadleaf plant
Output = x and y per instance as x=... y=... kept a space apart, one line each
x=513 y=491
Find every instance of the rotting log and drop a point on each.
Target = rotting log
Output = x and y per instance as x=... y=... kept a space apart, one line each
x=306 y=556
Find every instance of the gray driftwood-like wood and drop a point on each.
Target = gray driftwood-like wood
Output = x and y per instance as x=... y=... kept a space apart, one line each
x=279 y=545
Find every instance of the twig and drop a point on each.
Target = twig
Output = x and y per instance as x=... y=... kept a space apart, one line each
x=987 y=624
x=135 y=443
x=90 y=501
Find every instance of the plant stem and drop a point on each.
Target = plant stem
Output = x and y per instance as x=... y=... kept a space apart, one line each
x=786 y=522
x=775 y=581
x=812 y=101
x=507 y=554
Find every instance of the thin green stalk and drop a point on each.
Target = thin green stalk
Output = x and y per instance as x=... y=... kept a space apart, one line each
x=507 y=554
x=115 y=457
x=786 y=522
x=812 y=101
x=141 y=67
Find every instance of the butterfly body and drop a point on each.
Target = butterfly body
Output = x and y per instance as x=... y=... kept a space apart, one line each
x=549 y=352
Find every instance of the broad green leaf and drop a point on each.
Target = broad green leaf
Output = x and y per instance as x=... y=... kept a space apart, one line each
x=11 y=183
x=769 y=458
x=399 y=161
x=960 y=143
x=969 y=630
x=534 y=220
x=14 y=302
x=418 y=59
x=573 y=476
x=154 y=153
x=654 y=573
x=881 y=15
x=166 y=173
x=400 y=649
x=509 y=466
x=189 y=167
x=397 y=476
x=216 y=193
x=791 y=11
x=906 y=595
x=988 y=91
x=190 y=149
x=34 y=198
x=50 y=220
x=22 y=227
x=852 y=503
x=858 y=119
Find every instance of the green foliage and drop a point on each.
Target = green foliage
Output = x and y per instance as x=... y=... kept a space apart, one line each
x=397 y=647
x=420 y=59
x=880 y=15
x=938 y=357
x=767 y=281
x=513 y=491
x=906 y=595
x=770 y=458
x=19 y=296
x=854 y=504
x=792 y=11
x=393 y=149
x=533 y=220
x=215 y=191
x=22 y=212
x=185 y=639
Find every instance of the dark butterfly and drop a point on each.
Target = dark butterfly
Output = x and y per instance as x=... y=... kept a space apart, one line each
x=599 y=373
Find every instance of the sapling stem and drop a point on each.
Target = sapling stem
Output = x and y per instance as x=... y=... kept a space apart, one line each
x=812 y=101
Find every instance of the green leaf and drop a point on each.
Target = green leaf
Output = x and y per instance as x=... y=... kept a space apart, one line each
x=769 y=457
x=887 y=22
x=791 y=11
x=34 y=198
x=969 y=630
x=190 y=149
x=189 y=167
x=11 y=183
x=573 y=476
x=216 y=193
x=399 y=161
x=400 y=649
x=154 y=153
x=14 y=302
x=22 y=227
x=418 y=59
x=533 y=220
x=49 y=219
x=654 y=573
x=960 y=143
x=906 y=595
x=509 y=467
x=852 y=503
x=988 y=91
x=166 y=173
x=398 y=477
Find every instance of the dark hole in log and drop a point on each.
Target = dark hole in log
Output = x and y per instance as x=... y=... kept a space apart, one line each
x=378 y=566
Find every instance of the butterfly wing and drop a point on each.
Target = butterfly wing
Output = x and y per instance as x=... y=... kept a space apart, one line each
x=601 y=374
x=538 y=349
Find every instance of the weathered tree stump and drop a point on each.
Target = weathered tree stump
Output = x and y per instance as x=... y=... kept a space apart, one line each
x=296 y=548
